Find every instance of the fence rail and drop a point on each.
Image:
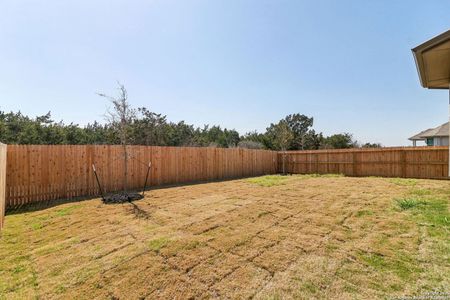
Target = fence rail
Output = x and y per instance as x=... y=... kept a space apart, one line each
x=3 y=149
x=408 y=162
x=46 y=172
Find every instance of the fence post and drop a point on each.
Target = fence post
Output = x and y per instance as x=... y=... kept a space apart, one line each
x=403 y=162
x=317 y=163
x=328 y=162
x=2 y=184
x=355 y=163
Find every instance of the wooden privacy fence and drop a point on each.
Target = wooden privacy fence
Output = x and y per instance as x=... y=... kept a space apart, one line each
x=3 y=150
x=45 y=172
x=409 y=162
x=38 y=173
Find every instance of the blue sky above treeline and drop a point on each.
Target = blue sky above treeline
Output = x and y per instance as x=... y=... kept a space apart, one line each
x=238 y=64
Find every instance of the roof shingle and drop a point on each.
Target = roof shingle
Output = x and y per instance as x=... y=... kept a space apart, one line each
x=442 y=130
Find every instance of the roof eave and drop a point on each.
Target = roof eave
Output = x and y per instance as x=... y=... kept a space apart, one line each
x=418 y=57
x=419 y=69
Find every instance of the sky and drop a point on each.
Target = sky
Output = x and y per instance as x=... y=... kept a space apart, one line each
x=241 y=64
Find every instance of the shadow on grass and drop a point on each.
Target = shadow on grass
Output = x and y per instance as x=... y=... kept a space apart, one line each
x=139 y=212
x=41 y=205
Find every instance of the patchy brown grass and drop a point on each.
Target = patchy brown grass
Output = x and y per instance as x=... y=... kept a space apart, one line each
x=264 y=238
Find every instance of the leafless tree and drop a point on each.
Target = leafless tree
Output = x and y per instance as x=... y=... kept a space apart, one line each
x=121 y=116
x=283 y=137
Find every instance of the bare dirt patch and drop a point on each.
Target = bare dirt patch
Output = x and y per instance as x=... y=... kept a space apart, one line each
x=283 y=237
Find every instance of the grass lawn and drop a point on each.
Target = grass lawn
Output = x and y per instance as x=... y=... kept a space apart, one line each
x=272 y=237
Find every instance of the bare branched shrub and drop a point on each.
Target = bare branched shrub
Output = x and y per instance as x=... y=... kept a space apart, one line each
x=282 y=137
x=121 y=117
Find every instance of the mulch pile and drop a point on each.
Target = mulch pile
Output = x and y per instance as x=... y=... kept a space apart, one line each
x=121 y=198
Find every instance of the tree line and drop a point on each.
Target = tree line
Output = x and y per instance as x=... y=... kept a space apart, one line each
x=145 y=127
x=126 y=125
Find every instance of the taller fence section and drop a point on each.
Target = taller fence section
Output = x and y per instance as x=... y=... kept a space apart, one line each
x=40 y=173
x=3 y=149
x=409 y=162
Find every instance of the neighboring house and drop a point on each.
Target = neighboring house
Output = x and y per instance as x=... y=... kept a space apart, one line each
x=433 y=65
x=434 y=136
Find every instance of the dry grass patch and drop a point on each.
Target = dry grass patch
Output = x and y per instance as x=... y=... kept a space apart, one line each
x=270 y=237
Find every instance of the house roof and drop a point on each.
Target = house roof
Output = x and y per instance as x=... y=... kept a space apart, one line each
x=418 y=137
x=433 y=62
x=442 y=130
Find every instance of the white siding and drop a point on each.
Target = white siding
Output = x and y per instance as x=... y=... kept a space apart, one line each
x=440 y=141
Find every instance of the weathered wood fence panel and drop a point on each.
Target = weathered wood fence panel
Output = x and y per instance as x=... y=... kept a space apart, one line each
x=46 y=172
x=3 y=150
x=408 y=162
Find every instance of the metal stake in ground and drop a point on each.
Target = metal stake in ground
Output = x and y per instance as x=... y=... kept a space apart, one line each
x=98 y=182
x=146 y=177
